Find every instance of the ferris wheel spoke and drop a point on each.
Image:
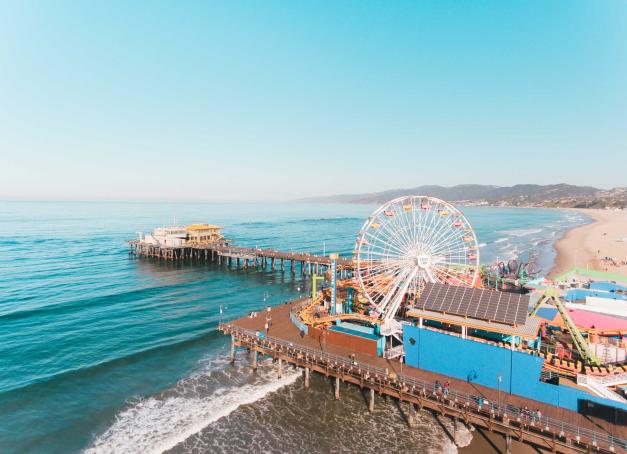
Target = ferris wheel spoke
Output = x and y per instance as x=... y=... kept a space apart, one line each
x=397 y=232
x=391 y=236
x=392 y=288
x=442 y=270
x=455 y=238
x=400 y=221
x=381 y=270
x=453 y=249
x=461 y=230
x=385 y=267
x=442 y=228
x=397 y=299
x=389 y=242
x=445 y=215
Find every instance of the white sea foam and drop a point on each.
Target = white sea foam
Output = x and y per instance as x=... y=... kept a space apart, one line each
x=500 y=240
x=463 y=438
x=155 y=425
x=482 y=244
x=521 y=232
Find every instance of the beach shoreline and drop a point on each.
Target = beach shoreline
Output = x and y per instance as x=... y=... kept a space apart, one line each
x=588 y=245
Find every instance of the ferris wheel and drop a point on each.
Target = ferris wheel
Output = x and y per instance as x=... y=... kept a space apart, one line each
x=409 y=241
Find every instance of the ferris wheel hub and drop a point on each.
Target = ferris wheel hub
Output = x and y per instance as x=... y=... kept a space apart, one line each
x=423 y=261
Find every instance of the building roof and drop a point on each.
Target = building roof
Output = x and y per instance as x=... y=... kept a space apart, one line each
x=607 y=286
x=528 y=331
x=593 y=320
x=547 y=313
x=579 y=273
x=194 y=227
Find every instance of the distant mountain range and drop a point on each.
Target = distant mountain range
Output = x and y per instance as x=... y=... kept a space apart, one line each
x=520 y=195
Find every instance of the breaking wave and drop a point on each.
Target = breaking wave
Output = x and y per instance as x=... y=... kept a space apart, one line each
x=156 y=424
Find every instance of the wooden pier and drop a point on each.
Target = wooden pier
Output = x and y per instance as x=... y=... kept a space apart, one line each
x=244 y=257
x=556 y=430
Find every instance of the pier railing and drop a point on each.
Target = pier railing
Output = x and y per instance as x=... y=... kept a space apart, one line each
x=409 y=385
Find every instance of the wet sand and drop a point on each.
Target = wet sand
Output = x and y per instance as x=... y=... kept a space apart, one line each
x=587 y=246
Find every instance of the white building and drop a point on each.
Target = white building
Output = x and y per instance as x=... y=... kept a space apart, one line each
x=167 y=236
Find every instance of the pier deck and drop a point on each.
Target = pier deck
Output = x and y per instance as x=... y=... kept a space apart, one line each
x=559 y=430
x=309 y=263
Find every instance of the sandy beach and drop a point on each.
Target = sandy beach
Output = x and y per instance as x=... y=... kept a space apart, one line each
x=601 y=245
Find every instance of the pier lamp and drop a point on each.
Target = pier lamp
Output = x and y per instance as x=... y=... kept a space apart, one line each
x=499 y=378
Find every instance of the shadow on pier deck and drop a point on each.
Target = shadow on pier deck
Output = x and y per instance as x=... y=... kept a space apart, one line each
x=558 y=430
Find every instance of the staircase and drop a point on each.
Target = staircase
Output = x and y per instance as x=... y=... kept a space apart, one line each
x=599 y=388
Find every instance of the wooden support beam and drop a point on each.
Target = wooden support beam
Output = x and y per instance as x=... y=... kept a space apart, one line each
x=232 y=349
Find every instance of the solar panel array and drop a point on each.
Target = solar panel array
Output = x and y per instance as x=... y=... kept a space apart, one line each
x=491 y=305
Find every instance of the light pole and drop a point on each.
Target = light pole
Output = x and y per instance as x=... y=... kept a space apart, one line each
x=499 y=377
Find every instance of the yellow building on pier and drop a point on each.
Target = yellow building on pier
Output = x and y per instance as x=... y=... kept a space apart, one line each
x=204 y=233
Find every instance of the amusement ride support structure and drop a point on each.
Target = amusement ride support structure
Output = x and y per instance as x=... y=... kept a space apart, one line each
x=586 y=354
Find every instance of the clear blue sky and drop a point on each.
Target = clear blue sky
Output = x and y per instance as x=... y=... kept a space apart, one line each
x=278 y=100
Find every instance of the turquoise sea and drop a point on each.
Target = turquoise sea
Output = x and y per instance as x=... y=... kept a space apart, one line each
x=103 y=352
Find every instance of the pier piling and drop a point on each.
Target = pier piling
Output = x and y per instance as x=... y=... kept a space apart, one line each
x=306 y=378
x=232 y=350
x=371 y=401
x=280 y=368
x=337 y=388
x=411 y=416
x=254 y=360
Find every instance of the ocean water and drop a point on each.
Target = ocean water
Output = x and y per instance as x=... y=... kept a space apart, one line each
x=102 y=352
